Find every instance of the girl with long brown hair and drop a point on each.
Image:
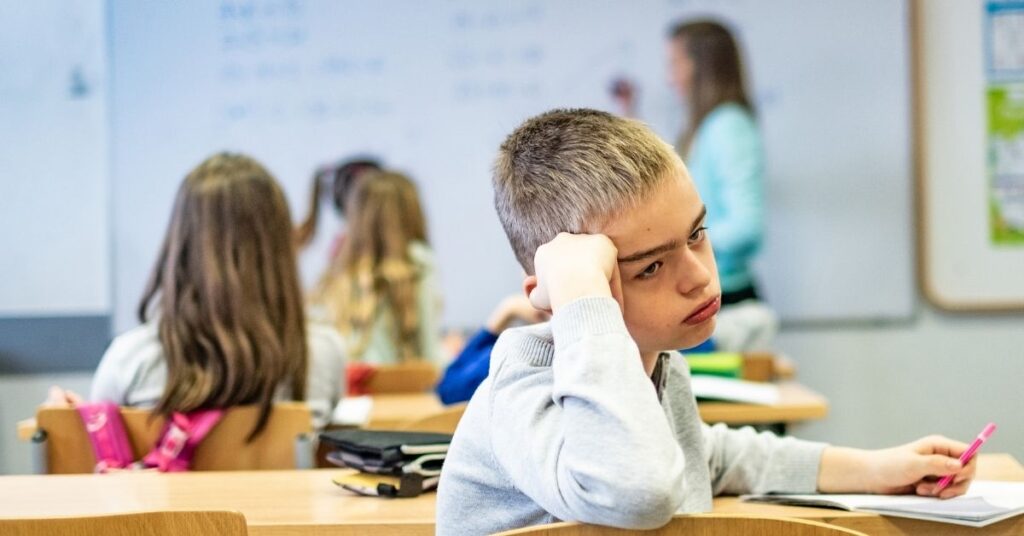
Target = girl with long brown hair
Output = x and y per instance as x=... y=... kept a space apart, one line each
x=381 y=289
x=222 y=315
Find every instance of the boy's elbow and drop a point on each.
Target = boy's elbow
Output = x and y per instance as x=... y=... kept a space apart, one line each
x=648 y=502
x=646 y=509
x=657 y=493
x=655 y=508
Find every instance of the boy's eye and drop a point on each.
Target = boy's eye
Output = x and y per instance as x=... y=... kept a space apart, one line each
x=650 y=270
x=698 y=235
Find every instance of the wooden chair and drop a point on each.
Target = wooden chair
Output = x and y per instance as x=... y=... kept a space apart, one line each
x=699 y=525
x=413 y=377
x=63 y=447
x=442 y=422
x=143 y=524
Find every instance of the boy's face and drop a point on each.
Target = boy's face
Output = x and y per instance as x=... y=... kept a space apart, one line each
x=670 y=286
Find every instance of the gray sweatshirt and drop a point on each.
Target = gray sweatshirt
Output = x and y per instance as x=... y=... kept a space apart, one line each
x=568 y=426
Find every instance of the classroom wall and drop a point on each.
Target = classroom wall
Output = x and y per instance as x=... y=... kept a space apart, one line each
x=940 y=373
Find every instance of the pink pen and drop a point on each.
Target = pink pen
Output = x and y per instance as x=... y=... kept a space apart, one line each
x=969 y=453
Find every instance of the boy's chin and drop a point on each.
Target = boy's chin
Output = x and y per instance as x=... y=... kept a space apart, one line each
x=698 y=334
x=693 y=337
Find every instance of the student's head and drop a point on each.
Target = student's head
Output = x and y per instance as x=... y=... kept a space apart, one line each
x=705 y=68
x=336 y=182
x=384 y=217
x=586 y=171
x=225 y=291
x=374 y=267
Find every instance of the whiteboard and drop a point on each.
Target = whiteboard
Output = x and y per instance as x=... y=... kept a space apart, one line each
x=433 y=87
x=53 y=159
x=963 y=267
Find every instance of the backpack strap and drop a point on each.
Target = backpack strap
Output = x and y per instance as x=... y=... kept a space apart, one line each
x=107 y=435
x=182 y=434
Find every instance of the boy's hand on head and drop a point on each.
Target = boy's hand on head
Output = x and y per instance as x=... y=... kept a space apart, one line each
x=574 y=266
x=913 y=468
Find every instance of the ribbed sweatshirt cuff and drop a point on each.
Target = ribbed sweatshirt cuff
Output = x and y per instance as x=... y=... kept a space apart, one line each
x=798 y=470
x=588 y=316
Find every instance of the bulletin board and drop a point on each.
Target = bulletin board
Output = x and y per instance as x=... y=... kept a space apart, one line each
x=971 y=185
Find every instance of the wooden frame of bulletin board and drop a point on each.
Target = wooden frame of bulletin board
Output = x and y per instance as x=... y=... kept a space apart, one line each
x=970 y=198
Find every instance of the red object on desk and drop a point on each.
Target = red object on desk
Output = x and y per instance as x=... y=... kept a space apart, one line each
x=357 y=376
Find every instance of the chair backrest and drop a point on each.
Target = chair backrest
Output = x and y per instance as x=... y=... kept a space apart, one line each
x=699 y=525
x=442 y=422
x=67 y=447
x=412 y=377
x=144 y=523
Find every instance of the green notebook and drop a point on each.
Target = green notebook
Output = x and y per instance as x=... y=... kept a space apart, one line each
x=725 y=364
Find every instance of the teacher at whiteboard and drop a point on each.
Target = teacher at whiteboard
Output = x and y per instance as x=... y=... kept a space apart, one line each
x=721 y=146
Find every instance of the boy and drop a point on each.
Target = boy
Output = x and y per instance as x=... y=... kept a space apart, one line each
x=588 y=418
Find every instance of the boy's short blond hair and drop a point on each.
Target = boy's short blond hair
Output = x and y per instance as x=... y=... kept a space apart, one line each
x=568 y=170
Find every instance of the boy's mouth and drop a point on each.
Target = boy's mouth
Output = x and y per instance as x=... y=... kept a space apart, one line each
x=704 y=312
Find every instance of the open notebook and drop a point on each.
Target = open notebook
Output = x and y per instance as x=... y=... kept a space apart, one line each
x=986 y=502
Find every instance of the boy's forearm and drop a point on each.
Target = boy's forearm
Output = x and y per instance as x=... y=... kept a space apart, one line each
x=844 y=470
x=746 y=461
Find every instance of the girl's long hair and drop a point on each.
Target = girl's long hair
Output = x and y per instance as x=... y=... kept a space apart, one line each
x=226 y=294
x=337 y=181
x=373 y=271
x=717 y=72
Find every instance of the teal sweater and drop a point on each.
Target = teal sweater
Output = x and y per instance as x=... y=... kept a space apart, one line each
x=726 y=161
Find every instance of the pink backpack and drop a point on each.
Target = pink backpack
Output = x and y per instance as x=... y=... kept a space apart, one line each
x=173 y=451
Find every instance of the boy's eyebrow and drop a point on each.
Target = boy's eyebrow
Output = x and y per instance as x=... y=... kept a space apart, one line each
x=667 y=246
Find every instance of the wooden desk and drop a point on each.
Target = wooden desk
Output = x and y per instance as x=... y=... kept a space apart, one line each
x=26 y=429
x=796 y=403
x=394 y=410
x=274 y=503
x=282 y=503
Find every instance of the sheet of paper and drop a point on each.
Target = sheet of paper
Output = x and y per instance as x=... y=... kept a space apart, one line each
x=718 y=388
x=352 y=411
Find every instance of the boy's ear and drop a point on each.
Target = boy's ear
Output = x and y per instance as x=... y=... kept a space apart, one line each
x=529 y=283
x=535 y=295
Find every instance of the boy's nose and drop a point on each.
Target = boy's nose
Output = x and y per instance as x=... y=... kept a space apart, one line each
x=695 y=276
